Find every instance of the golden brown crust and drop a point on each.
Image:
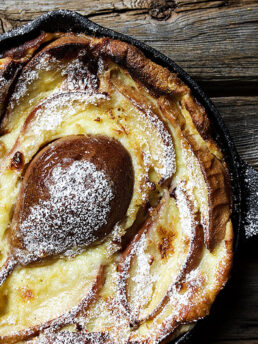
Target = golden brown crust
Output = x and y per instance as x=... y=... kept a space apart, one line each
x=157 y=78
x=199 y=116
x=25 y=51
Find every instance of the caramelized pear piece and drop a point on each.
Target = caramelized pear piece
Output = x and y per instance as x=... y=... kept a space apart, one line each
x=73 y=193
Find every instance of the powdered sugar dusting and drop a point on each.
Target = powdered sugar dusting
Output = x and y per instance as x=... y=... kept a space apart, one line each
x=52 y=113
x=161 y=146
x=73 y=212
x=143 y=280
x=196 y=186
x=137 y=265
x=65 y=337
x=79 y=77
x=169 y=154
x=109 y=313
x=178 y=300
x=165 y=156
x=3 y=81
x=7 y=269
x=29 y=75
x=186 y=216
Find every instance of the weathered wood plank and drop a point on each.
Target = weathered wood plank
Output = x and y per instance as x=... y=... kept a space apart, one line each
x=241 y=117
x=100 y=6
x=215 y=41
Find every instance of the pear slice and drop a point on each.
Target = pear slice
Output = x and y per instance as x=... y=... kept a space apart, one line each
x=168 y=241
x=64 y=319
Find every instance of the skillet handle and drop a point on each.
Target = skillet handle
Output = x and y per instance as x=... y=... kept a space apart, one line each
x=250 y=204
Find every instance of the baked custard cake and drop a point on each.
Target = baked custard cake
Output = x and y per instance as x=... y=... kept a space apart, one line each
x=114 y=200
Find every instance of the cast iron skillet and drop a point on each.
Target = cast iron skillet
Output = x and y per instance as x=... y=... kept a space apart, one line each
x=244 y=178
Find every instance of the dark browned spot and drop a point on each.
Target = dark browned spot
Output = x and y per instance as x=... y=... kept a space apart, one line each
x=110 y=112
x=165 y=248
x=165 y=245
x=172 y=193
x=26 y=294
x=151 y=260
x=17 y=161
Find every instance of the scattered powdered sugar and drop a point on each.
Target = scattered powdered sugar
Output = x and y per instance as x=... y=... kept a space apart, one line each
x=6 y=269
x=195 y=282
x=53 y=111
x=65 y=337
x=29 y=75
x=186 y=216
x=144 y=280
x=45 y=62
x=3 y=81
x=10 y=320
x=178 y=300
x=108 y=313
x=162 y=151
x=169 y=161
x=78 y=206
x=101 y=65
x=79 y=86
x=123 y=276
x=78 y=76
x=196 y=185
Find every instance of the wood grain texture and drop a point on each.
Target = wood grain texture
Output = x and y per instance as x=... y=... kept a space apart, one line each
x=241 y=117
x=216 y=41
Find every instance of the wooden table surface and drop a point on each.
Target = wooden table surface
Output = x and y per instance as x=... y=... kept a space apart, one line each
x=216 y=42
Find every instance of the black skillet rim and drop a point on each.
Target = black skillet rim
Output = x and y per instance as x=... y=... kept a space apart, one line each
x=66 y=20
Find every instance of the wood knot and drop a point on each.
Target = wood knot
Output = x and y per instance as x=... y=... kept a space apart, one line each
x=161 y=9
